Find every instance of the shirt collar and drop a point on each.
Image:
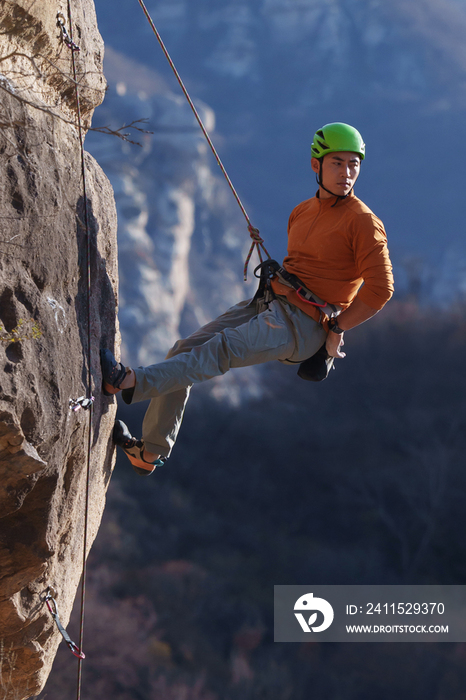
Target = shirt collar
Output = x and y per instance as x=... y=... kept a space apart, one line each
x=332 y=201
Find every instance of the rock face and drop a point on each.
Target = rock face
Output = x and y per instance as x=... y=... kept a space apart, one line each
x=48 y=313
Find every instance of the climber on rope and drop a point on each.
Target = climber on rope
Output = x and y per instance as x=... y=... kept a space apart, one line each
x=337 y=274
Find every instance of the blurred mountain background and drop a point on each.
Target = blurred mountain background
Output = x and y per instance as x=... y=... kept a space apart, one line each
x=358 y=480
x=266 y=75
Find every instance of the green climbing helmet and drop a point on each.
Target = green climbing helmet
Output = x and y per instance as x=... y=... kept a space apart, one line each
x=337 y=137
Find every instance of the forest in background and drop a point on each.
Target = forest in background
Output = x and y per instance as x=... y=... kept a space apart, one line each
x=358 y=480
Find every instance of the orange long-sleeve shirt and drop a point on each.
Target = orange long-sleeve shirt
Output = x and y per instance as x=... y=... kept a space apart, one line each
x=333 y=250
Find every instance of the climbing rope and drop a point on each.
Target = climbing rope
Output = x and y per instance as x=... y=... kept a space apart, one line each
x=257 y=241
x=82 y=402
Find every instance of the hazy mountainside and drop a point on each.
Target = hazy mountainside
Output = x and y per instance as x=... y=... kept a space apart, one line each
x=181 y=237
x=270 y=73
x=274 y=70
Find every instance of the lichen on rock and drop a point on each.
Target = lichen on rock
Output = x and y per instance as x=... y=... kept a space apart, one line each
x=44 y=277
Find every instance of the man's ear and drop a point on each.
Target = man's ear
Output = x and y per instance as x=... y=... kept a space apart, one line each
x=315 y=164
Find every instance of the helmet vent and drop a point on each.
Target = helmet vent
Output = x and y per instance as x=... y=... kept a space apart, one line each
x=322 y=144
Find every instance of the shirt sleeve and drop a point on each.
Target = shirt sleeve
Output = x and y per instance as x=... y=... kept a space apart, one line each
x=372 y=261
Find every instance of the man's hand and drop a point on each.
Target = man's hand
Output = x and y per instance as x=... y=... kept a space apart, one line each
x=334 y=344
x=356 y=313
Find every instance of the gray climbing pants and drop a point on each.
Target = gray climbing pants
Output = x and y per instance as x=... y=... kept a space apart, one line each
x=243 y=336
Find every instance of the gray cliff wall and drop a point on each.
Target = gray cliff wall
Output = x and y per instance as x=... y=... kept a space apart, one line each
x=43 y=300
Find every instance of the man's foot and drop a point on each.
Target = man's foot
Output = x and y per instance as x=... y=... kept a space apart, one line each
x=115 y=376
x=134 y=450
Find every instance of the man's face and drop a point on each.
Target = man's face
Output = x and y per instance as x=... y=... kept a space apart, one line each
x=339 y=172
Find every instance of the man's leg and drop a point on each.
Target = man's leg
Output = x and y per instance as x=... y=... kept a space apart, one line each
x=239 y=338
x=164 y=415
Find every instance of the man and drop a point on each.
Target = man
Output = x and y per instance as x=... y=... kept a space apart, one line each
x=337 y=274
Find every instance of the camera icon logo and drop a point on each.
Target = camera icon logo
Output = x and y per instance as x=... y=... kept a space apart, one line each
x=312 y=605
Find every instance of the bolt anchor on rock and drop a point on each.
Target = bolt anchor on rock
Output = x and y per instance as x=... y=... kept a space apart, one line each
x=51 y=604
x=81 y=402
x=65 y=36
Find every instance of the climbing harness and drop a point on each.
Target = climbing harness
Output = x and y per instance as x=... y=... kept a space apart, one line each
x=317 y=367
x=271 y=268
x=51 y=604
x=257 y=241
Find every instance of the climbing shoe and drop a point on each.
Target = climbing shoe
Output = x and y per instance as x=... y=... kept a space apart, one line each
x=113 y=373
x=134 y=450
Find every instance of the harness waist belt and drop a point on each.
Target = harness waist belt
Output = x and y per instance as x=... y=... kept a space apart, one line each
x=290 y=280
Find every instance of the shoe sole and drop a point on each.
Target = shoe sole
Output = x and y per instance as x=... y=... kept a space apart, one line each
x=109 y=390
x=137 y=462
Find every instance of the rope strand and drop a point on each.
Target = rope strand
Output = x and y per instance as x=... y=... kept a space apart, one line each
x=73 y=47
x=257 y=241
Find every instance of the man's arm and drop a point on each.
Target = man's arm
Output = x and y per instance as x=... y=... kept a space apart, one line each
x=374 y=266
x=356 y=313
